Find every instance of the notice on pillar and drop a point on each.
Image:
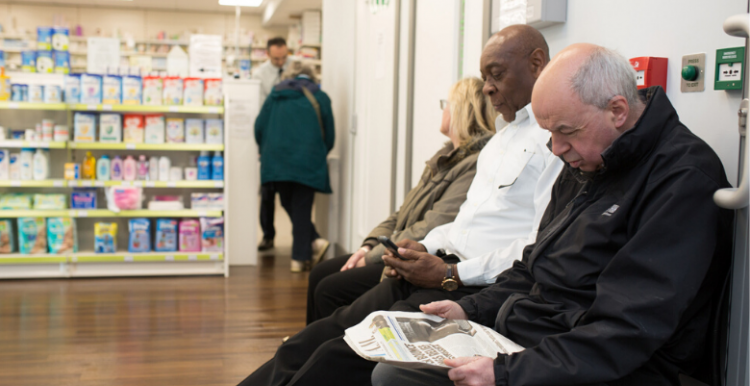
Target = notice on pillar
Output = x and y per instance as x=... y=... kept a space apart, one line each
x=241 y=117
x=205 y=56
x=102 y=54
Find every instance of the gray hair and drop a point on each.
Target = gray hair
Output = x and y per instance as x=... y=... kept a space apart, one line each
x=604 y=75
x=297 y=68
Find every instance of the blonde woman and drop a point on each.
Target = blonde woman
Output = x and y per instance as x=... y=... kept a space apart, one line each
x=468 y=121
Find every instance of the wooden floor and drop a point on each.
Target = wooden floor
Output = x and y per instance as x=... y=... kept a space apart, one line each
x=148 y=331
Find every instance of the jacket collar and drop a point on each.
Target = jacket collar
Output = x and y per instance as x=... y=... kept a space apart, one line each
x=449 y=156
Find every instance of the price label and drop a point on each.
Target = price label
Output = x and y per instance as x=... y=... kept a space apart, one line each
x=86 y=183
x=126 y=183
x=99 y=183
x=138 y=183
x=58 y=183
x=83 y=213
x=71 y=213
x=169 y=257
x=150 y=184
x=74 y=259
x=15 y=183
x=173 y=109
x=128 y=258
x=192 y=257
x=107 y=107
x=171 y=184
x=219 y=184
x=202 y=213
x=214 y=257
x=130 y=146
x=213 y=110
x=91 y=107
x=13 y=105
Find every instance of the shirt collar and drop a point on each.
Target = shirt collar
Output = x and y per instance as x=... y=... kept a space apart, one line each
x=523 y=114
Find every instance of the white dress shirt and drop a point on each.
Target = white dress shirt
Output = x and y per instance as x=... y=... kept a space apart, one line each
x=504 y=204
x=269 y=76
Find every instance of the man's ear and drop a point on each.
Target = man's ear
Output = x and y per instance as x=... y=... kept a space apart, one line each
x=537 y=61
x=620 y=109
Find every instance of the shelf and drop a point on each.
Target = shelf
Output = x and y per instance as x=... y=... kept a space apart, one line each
x=90 y=257
x=45 y=258
x=33 y=106
x=146 y=146
x=32 y=144
x=148 y=184
x=106 y=213
x=148 y=109
x=35 y=184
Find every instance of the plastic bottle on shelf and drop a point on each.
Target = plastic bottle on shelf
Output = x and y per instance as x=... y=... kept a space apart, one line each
x=142 y=168
x=88 y=171
x=103 y=169
x=117 y=168
x=164 y=166
x=204 y=166
x=217 y=167
x=128 y=169
x=41 y=165
x=153 y=168
x=26 y=160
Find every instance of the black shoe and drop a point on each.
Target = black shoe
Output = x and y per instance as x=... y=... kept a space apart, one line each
x=265 y=245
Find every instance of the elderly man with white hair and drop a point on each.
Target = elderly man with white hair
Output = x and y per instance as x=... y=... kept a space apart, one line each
x=618 y=287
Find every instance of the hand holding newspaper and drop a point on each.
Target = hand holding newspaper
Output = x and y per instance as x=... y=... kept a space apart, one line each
x=415 y=339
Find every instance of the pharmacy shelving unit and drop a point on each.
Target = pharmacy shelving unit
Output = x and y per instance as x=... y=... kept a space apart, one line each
x=86 y=263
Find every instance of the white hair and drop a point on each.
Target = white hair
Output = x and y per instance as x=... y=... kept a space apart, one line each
x=604 y=75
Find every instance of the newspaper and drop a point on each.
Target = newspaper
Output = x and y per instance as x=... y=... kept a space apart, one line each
x=415 y=339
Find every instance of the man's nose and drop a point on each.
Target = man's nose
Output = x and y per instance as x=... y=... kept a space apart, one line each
x=559 y=145
x=488 y=89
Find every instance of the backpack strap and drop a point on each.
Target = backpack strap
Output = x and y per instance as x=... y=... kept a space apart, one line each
x=315 y=106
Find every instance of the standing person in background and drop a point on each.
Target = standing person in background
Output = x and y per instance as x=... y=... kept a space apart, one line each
x=269 y=74
x=295 y=132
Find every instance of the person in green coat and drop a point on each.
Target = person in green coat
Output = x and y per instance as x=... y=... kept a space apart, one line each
x=295 y=132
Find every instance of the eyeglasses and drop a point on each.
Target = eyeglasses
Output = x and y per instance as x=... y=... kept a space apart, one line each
x=443 y=104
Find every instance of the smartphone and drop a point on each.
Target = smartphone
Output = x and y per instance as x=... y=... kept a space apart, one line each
x=389 y=245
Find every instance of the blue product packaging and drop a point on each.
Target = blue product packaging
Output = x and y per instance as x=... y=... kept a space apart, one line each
x=217 y=167
x=139 y=239
x=72 y=92
x=91 y=89
x=36 y=93
x=60 y=38
x=52 y=94
x=7 y=239
x=83 y=199
x=62 y=62
x=28 y=61
x=212 y=234
x=2 y=58
x=61 y=235
x=105 y=237
x=166 y=235
x=112 y=90
x=32 y=235
x=204 y=166
x=245 y=66
x=44 y=38
x=16 y=93
x=44 y=62
x=132 y=90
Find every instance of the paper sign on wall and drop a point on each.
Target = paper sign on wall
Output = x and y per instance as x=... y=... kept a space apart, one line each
x=205 y=56
x=102 y=54
x=513 y=12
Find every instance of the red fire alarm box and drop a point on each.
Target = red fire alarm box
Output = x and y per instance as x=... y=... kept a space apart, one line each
x=650 y=71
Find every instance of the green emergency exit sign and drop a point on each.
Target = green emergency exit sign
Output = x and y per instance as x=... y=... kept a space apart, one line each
x=730 y=66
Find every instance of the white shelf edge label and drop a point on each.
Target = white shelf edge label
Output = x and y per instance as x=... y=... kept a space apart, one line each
x=171 y=184
x=130 y=146
x=173 y=109
x=72 y=213
x=99 y=183
x=202 y=213
x=86 y=183
x=15 y=183
x=193 y=257
x=90 y=107
x=126 y=183
x=83 y=213
x=13 y=105
x=213 y=110
x=150 y=184
x=214 y=257
x=138 y=183
x=169 y=257
x=58 y=183
x=219 y=184
x=107 y=107
x=74 y=259
x=128 y=258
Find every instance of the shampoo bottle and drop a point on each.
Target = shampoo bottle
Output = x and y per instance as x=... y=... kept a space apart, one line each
x=153 y=168
x=217 y=167
x=204 y=166
x=116 y=173
x=41 y=165
x=103 y=169
x=142 y=168
x=26 y=160
x=128 y=169
x=164 y=166
x=89 y=167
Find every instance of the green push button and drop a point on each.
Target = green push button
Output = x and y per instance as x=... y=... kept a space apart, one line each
x=690 y=73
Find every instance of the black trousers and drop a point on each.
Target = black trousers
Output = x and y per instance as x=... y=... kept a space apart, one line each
x=318 y=355
x=297 y=200
x=267 y=209
x=328 y=288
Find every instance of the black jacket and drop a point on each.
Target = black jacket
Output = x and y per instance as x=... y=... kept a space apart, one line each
x=618 y=286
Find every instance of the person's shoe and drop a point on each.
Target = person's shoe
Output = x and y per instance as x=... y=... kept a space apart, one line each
x=298 y=266
x=319 y=249
x=265 y=245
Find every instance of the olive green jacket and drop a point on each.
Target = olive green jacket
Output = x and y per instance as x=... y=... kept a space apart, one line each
x=434 y=201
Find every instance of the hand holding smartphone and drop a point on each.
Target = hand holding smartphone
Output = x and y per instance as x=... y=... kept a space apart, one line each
x=391 y=246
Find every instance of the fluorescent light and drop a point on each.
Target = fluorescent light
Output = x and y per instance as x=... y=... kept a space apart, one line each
x=241 y=3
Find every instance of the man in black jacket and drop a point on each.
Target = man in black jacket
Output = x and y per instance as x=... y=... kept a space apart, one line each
x=618 y=287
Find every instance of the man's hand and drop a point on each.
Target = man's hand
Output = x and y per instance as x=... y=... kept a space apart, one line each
x=472 y=371
x=420 y=268
x=405 y=243
x=356 y=259
x=447 y=309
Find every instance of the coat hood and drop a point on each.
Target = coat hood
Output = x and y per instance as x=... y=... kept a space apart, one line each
x=295 y=84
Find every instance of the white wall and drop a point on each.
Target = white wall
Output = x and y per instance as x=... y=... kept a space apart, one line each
x=668 y=29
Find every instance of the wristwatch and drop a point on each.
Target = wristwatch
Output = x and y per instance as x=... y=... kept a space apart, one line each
x=450 y=283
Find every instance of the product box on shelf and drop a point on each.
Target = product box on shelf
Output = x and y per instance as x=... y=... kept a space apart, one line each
x=175 y=130
x=28 y=61
x=32 y=235
x=84 y=127
x=83 y=199
x=212 y=234
x=193 y=92
x=62 y=62
x=173 y=89
x=15 y=201
x=194 y=130
x=207 y=201
x=212 y=94
x=4 y=165
x=14 y=159
x=155 y=128
x=105 y=237
x=153 y=90
x=190 y=235
x=133 y=128
x=61 y=235
x=124 y=198
x=214 y=131
x=110 y=128
x=44 y=62
x=72 y=86
x=91 y=89
x=52 y=94
x=60 y=38
x=44 y=38
x=112 y=89
x=72 y=171
x=7 y=239
x=49 y=201
x=132 y=90
x=139 y=239
x=36 y=93
x=166 y=235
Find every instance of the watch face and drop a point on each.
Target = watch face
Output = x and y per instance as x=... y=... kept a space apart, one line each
x=450 y=285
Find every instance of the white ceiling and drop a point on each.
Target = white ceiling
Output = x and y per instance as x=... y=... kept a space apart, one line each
x=287 y=11
x=177 y=5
